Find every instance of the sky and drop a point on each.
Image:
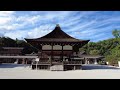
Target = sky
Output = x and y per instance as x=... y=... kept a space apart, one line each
x=86 y=25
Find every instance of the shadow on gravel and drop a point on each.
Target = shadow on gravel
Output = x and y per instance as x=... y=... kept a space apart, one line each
x=92 y=66
x=12 y=65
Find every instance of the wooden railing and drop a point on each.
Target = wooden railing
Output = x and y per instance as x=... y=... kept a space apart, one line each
x=64 y=62
x=41 y=62
x=72 y=62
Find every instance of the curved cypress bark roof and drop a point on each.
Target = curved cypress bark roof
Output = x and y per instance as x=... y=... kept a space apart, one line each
x=57 y=35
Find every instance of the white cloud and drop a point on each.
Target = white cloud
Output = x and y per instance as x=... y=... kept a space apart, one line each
x=16 y=34
x=4 y=20
x=31 y=33
x=14 y=23
x=6 y=13
x=100 y=39
x=80 y=24
x=38 y=32
x=28 y=19
x=5 y=17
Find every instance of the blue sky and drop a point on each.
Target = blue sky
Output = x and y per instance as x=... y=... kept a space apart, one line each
x=92 y=25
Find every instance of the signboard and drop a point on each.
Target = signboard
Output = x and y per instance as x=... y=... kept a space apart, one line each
x=37 y=59
x=119 y=63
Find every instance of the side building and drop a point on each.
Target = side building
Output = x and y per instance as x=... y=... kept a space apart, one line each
x=10 y=51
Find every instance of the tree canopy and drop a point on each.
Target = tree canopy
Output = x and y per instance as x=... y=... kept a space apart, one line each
x=8 y=42
x=116 y=33
x=109 y=48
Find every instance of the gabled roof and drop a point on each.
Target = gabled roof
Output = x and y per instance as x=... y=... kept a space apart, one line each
x=57 y=35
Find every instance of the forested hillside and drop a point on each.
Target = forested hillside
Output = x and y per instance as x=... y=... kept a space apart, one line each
x=109 y=48
x=8 y=42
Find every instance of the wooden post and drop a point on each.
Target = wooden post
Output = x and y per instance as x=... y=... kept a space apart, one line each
x=72 y=50
x=62 y=52
x=37 y=60
x=87 y=48
x=74 y=67
x=63 y=65
x=26 y=61
x=36 y=65
x=23 y=61
x=51 y=55
x=86 y=61
x=41 y=51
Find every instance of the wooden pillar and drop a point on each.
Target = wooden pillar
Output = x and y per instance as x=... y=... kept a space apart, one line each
x=74 y=67
x=36 y=65
x=26 y=61
x=87 y=48
x=72 y=49
x=23 y=61
x=62 y=52
x=41 y=51
x=86 y=61
x=51 y=55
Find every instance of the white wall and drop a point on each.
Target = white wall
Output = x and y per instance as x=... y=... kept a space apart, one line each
x=46 y=47
x=56 y=47
x=67 y=47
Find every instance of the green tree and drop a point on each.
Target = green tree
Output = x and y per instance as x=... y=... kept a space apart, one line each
x=94 y=52
x=8 y=42
x=76 y=48
x=114 y=55
x=116 y=33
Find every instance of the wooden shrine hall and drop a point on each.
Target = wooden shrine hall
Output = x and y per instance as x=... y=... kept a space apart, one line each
x=56 y=50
